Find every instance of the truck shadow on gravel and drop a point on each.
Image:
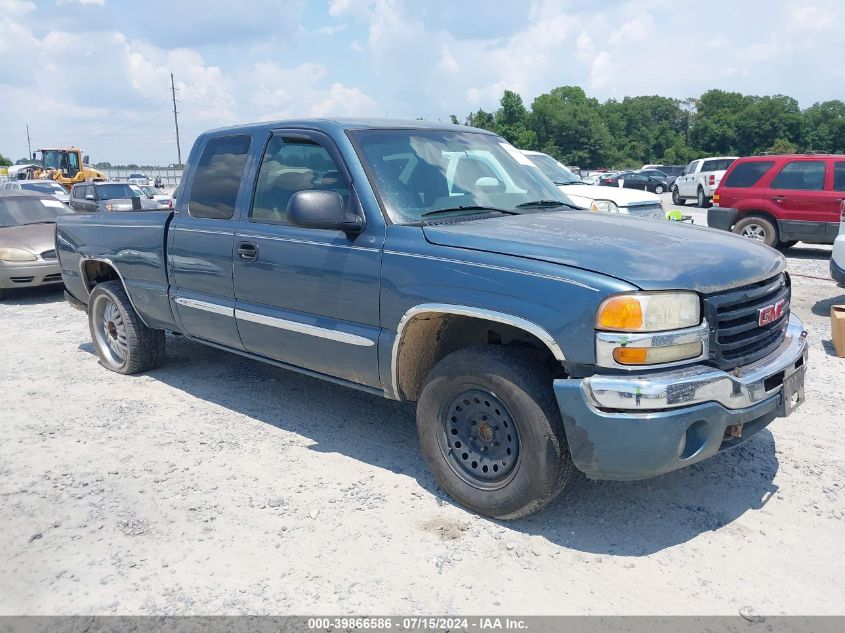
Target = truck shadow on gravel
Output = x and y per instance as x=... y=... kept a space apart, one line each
x=621 y=518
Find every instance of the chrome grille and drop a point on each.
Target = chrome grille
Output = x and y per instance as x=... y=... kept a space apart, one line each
x=647 y=210
x=736 y=336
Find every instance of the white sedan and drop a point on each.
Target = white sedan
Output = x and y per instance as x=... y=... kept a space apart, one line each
x=837 y=258
x=595 y=198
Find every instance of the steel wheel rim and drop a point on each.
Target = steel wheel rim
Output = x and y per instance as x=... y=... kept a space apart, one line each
x=480 y=439
x=754 y=232
x=109 y=331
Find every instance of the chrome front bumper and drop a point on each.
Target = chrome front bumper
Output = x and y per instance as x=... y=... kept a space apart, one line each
x=696 y=384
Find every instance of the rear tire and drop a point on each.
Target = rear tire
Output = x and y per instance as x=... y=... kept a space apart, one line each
x=701 y=199
x=124 y=344
x=757 y=228
x=785 y=245
x=676 y=198
x=658 y=189
x=491 y=432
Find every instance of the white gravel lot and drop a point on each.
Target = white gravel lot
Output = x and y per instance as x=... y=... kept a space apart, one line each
x=220 y=485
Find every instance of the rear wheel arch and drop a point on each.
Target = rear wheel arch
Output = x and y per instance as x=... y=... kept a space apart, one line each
x=427 y=333
x=94 y=271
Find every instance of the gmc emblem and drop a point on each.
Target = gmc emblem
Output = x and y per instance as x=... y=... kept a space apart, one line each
x=771 y=313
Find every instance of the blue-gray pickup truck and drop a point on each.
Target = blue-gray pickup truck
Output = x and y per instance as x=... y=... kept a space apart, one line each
x=435 y=264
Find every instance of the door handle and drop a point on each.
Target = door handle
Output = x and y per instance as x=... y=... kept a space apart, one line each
x=248 y=251
x=778 y=198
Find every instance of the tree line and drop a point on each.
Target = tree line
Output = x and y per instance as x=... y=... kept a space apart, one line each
x=580 y=130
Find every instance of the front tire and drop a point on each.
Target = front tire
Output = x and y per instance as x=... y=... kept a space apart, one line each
x=757 y=228
x=124 y=344
x=491 y=432
x=658 y=189
x=676 y=198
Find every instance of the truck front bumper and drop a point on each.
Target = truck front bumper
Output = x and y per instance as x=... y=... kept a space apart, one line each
x=640 y=426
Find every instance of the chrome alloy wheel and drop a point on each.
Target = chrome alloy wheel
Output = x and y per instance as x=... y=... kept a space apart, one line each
x=109 y=331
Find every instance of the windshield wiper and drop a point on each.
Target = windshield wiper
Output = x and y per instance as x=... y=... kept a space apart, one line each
x=545 y=204
x=467 y=207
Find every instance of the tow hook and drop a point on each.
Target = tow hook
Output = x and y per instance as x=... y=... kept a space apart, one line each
x=734 y=430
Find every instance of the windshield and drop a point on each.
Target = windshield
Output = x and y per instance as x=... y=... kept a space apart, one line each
x=148 y=191
x=20 y=211
x=43 y=187
x=417 y=172
x=553 y=170
x=51 y=158
x=111 y=192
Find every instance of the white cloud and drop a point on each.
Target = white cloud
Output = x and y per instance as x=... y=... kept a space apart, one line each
x=601 y=71
x=331 y=29
x=447 y=62
x=809 y=18
x=343 y=101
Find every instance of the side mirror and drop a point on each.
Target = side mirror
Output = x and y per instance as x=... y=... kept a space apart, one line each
x=316 y=209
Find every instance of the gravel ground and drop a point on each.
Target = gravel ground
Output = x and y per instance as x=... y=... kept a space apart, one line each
x=220 y=485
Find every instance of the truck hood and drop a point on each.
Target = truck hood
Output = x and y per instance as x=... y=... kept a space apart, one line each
x=650 y=254
x=622 y=197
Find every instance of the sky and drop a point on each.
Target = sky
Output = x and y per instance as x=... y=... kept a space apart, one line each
x=96 y=73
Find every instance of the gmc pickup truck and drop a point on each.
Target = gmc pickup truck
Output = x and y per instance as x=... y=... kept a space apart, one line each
x=426 y=263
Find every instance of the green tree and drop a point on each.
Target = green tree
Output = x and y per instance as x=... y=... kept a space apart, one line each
x=5 y=162
x=783 y=146
x=454 y=120
x=823 y=127
x=512 y=121
x=482 y=119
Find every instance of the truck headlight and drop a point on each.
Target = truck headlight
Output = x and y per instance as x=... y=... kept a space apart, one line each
x=606 y=206
x=649 y=312
x=17 y=255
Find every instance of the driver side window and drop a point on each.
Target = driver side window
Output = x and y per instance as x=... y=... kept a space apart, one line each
x=290 y=165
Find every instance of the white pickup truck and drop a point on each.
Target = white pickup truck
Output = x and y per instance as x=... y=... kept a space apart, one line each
x=700 y=179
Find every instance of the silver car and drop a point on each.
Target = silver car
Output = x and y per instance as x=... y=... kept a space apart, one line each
x=93 y=197
x=49 y=187
x=28 y=240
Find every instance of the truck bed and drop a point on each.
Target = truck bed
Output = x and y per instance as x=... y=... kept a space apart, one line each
x=133 y=245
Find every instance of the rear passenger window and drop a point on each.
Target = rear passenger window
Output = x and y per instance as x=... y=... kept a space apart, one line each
x=748 y=174
x=290 y=165
x=718 y=164
x=839 y=176
x=218 y=177
x=807 y=175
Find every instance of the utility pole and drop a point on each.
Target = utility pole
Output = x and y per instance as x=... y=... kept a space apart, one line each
x=176 y=120
x=28 y=144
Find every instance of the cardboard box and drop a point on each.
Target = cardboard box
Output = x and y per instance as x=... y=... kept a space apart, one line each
x=837 y=329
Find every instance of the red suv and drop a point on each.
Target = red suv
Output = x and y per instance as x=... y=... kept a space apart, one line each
x=781 y=200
